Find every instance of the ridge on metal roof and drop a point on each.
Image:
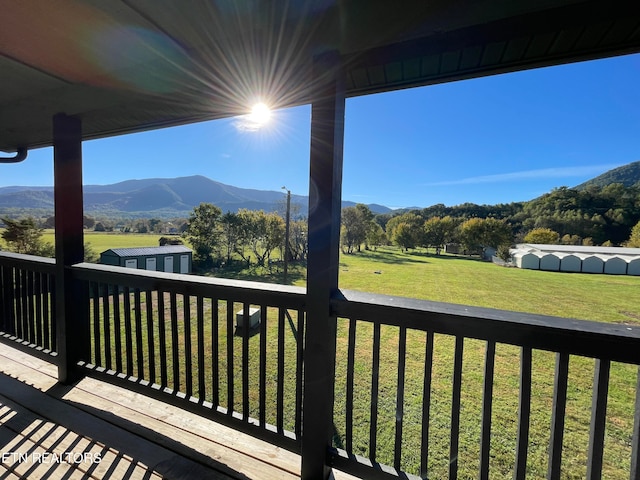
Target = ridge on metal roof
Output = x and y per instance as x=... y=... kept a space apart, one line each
x=137 y=251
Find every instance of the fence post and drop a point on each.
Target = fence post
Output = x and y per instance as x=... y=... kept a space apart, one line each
x=72 y=300
x=325 y=185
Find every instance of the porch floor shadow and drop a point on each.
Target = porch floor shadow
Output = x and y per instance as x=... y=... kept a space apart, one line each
x=96 y=430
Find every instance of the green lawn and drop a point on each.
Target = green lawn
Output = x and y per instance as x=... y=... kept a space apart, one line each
x=471 y=282
x=455 y=279
x=101 y=241
x=447 y=279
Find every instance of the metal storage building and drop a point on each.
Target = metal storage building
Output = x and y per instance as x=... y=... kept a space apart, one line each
x=592 y=264
x=634 y=266
x=570 y=263
x=615 y=266
x=577 y=258
x=169 y=258
x=528 y=260
x=550 y=261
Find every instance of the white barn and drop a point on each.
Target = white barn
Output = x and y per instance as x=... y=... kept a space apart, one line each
x=527 y=260
x=575 y=258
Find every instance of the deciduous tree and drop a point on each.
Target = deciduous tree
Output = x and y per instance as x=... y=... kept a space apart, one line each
x=542 y=235
x=203 y=231
x=634 y=239
x=262 y=232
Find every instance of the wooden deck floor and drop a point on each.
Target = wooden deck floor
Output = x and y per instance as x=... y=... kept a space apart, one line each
x=52 y=431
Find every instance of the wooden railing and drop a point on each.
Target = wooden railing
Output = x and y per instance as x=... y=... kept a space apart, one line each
x=397 y=345
x=27 y=303
x=423 y=389
x=175 y=337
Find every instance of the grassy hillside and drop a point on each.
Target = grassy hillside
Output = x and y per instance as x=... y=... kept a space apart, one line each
x=628 y=175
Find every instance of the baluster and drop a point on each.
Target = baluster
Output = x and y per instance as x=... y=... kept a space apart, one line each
x=96 y=323
x=246 y=324
x=487 y=403
x=280 y=389
x=426 y=404
x=524 y=410
x=299 y=363
x=200 y=333
x=175 y=350
x=106 y=318
x=128 y=334
x=455 y=409
x=148 y=298
x=162 y=339
x=402 y=348
x=351 y=349
x=215 y=371
x=139 y=348
x=557 y=417
x=263 y=366
x=598 y=418
x=230 y=399
x=188 y=364
x=375 y=378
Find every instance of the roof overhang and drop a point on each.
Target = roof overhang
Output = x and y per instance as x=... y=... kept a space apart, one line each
x=130 y=65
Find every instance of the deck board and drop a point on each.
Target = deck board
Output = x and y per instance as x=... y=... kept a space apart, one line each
x=136 y=436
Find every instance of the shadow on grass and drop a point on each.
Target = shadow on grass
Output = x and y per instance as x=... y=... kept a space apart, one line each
x=274 y=274
x=394 y=258
x=447 y=256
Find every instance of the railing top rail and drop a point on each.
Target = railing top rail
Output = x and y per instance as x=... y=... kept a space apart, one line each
x=31 y=262
x=237 y=290
x=618 y=342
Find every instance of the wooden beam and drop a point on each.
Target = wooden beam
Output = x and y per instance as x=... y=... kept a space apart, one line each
x=325 y=185
x=72 y=314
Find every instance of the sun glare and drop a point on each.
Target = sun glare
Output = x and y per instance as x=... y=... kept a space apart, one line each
x=260 y=114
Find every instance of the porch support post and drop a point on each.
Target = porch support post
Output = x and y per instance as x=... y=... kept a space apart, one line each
x=325 y=185
x=72 y=308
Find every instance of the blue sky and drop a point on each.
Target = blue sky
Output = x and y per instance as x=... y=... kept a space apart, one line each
x=490 y=140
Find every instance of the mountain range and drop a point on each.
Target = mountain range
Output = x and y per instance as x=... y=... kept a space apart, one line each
x=159 y=197
x=176 y=197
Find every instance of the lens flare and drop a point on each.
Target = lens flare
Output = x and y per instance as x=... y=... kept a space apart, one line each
x=260 y=114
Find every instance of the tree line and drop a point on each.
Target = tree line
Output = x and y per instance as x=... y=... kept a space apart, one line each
x=594 y=215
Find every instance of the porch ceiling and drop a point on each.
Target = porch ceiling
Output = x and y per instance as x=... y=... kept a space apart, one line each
x=131 y=65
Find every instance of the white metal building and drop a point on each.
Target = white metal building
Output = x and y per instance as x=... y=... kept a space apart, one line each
x=575 y=258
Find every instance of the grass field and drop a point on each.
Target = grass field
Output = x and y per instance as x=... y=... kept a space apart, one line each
x=471 y=282
x=461 y=280
x=101 y=241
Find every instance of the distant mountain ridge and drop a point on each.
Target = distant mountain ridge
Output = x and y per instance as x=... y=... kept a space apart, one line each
x=160 y=197
x=628 y=175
